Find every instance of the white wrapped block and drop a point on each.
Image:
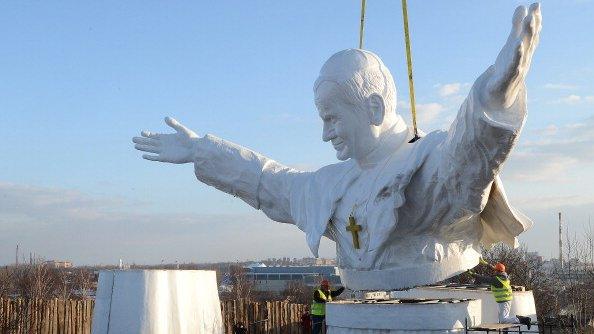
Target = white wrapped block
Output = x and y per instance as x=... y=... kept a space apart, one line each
x=350 y=317
x=157 y=302
x=522 y=304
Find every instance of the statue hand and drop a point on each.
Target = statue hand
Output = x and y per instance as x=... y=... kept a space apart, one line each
x=177 y=148
x=512 y=64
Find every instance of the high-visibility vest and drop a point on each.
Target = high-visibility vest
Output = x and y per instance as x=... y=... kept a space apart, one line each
x=320 y=308
x=504 y=293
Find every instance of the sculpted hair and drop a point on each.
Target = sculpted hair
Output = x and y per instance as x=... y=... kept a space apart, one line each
x=359 y=74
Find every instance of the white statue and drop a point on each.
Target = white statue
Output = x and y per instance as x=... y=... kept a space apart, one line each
x=400 y=214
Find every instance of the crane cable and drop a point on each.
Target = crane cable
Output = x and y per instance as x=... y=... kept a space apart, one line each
x=411 y=86
x=362 y=24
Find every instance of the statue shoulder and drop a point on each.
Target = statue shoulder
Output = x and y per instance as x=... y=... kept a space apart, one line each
x=337 y=169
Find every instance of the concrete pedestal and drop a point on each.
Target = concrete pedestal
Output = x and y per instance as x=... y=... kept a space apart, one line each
x=522 y=304
x=422 y=310
x=431 y=316
x=157 y=301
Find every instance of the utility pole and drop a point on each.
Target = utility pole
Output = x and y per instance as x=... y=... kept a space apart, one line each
x=16 y=257
x=560 y=242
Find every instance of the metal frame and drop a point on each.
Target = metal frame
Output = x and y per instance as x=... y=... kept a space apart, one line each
x=542 y=328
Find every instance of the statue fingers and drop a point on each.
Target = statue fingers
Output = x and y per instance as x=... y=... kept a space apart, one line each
x=507 y=58
x=173 y=123
x=525 y=44
x=180 y=128
x=517 y=20
x=147 y=148
x=149 y=134
x=153 y=158
x=146 y=141
x=532 y=26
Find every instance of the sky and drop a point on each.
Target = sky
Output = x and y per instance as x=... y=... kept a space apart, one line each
x=79 y=79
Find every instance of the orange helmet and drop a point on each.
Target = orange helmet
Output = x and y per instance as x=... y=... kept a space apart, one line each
x=500 y=267
x=325 y=282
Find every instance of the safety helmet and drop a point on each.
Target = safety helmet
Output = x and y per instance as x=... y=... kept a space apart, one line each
x=500 y=267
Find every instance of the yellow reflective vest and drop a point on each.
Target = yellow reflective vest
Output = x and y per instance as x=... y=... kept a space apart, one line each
x=504 y=293
x=320 y=308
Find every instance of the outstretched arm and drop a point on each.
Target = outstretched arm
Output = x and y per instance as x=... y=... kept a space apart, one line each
x=463 y=167
x=259 y=181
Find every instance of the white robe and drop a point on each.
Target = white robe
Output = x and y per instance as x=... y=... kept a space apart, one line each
x=424 y=210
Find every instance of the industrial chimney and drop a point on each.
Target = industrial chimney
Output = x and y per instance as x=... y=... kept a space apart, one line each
x=560 y=242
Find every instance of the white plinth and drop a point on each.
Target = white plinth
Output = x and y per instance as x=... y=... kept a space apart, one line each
x=476 y=305
x=522 y=304
x=157 y=301
x=348 y=317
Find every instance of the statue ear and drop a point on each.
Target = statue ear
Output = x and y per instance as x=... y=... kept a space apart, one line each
x=376 y=108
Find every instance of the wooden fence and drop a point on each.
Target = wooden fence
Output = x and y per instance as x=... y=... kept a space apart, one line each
x=54 y=316
x=263 y=318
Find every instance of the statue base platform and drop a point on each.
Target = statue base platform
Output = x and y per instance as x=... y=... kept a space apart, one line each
x=157 y=301
x=439 y=309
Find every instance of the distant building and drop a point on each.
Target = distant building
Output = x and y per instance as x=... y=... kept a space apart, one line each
x=276 y=279
x=306 y=261
x=59 y=264
x=325 y=262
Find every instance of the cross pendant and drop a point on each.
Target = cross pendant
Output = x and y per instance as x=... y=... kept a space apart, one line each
x=354 y=229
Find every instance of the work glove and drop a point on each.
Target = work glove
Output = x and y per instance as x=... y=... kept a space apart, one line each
x=482 y=261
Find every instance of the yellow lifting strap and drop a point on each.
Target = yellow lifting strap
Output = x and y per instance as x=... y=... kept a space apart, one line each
x=411 y=86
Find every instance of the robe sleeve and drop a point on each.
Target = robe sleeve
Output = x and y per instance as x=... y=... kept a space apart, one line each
x=478 y=143
x=259 y=181
x=461 y=173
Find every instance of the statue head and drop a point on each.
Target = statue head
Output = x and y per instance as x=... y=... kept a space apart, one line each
x=356 y=98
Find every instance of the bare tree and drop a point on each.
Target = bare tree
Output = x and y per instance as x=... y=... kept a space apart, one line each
x=34 y=281
x=6 y=281
x=242 y=285
x=82 y=283
x=297 y=292
x=577 y=277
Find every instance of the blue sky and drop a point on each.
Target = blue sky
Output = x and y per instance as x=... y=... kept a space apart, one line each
x=79 y=79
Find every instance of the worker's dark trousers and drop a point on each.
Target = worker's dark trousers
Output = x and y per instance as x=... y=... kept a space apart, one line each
x=317 y=322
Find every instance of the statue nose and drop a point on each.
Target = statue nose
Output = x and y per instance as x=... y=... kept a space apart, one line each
x=327 y=133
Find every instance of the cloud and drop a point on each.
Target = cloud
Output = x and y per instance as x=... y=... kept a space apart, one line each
x=550 y=130
x=560 y=86
x=551 y=157
x=538 y=167
x=67 y=224
x=429 y=111
x=428 y=114
x=452 y=90
x=548 y=202
x=574 y=99
x=449 y=89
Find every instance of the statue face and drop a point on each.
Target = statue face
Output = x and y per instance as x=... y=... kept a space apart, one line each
x=345 y=126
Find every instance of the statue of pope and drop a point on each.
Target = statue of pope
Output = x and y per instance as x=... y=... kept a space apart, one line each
x=421 y=211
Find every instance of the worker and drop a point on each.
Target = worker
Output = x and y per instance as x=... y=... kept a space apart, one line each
x=502 y=291
x=318 y=307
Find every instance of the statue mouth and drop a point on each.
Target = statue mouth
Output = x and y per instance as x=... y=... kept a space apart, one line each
x=338 y=145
